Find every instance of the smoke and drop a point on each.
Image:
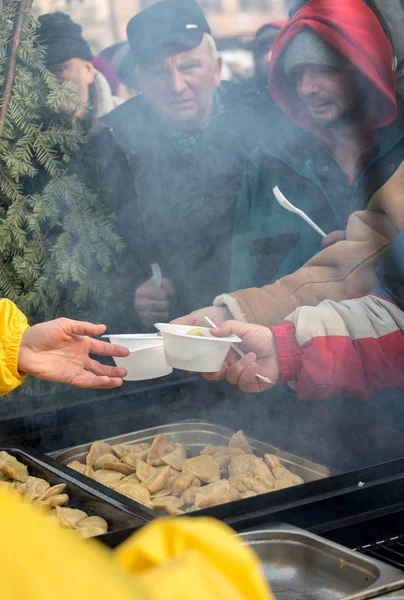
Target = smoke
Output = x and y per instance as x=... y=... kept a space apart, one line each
x=176 y=196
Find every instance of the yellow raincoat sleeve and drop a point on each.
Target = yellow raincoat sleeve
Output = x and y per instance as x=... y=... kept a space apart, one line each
x=13 y=323
x=179 y=559
x=170 y=558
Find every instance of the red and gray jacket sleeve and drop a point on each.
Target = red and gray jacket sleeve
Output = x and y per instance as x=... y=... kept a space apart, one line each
x=349 y=348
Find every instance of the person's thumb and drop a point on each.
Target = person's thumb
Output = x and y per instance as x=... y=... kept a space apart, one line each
x=333 y=237
x=228 y=328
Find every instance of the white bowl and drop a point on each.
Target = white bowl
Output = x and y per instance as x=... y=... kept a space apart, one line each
x=143 y=364
x=194 y=353
x=135 y=341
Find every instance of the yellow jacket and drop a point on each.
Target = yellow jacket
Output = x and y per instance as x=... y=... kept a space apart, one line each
x=170 y=559
x=13 y=323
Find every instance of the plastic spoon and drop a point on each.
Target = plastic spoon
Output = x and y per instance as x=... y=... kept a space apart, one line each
x=238 y=351
x=289 y=206
x=157 y=275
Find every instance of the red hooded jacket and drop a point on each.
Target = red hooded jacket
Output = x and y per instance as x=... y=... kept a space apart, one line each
x=351 y=28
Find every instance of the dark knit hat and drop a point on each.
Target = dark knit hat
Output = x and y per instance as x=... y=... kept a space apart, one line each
x=63 y=39
x=178 y=22
x=308 y=48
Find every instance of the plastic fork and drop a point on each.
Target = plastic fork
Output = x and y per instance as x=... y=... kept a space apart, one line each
x=157 y=275
x=290 y=207
x=238 y=351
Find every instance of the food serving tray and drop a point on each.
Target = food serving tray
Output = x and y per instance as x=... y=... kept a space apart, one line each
x=302 y=566
x=196 y=435
x=90 y=498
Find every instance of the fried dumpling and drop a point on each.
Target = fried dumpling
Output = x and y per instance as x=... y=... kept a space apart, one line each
x=123 y=449
x=160 y=447
x=33 y=488
x=188 y=496
x=157 y=480
x=70 y=517
x=238 y=440
x=118 y=466
x=107 y=478
x=239 y=465
x=181 y=482
x=130 y=479
x=92 y=526
x=271 y=460
x=50 y=492
x=222 y=454
x=54 y=501
x=249 y=464
x=131 y=457
x=135 y=491
x=176 y=458
x=169 y=504
x=99 y=452
x=203 y=467
x=143 y=470
x=77 y=466
x=249 y=483
x=214 y=450
x=12 y=468
x=281 y=473
x=161 y=493
x=213 y=494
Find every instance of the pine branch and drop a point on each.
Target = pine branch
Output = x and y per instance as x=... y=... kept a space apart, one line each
x=25 y=5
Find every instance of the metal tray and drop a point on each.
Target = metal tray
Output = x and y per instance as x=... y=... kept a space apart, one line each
x=91 y=499
x=196 y=435
x=301 y=565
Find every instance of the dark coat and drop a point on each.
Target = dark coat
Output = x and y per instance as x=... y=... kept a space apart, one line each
x=270 y=242
x=175 y=204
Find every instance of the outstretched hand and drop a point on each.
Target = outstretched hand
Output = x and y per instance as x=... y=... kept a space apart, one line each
x=261 y=357
x=59 y=351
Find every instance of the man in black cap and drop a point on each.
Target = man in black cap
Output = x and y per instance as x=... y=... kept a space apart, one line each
x=178 y=66
x=175 y=157
x=68 y=56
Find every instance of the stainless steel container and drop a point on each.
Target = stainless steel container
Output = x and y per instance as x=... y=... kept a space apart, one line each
x=196 y=435
x=302 y=566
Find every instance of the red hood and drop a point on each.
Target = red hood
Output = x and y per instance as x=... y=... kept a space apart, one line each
x=280 y=23
x=353 y=29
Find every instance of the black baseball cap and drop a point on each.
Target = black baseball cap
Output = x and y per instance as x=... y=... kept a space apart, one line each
x=165 y=23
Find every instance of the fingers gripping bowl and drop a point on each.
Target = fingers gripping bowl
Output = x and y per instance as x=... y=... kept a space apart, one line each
x=193 y=349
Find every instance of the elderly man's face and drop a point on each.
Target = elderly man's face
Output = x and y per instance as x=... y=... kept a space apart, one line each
x=331 y=95
x=78 y=71
x=181 y=86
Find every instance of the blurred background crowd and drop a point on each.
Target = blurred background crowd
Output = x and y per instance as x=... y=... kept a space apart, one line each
x=234 y=23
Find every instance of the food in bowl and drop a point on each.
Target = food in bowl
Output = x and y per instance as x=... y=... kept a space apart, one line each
x=52 y=499
x=197 y=332
x=199 y=353
x=163 y=477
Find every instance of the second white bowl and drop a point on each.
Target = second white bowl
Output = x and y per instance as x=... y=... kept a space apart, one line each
x=192 y=353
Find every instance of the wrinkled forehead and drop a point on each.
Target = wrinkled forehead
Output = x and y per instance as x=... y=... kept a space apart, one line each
x=178 y=55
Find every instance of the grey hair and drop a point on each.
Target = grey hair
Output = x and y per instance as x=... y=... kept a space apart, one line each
x=213 y=48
